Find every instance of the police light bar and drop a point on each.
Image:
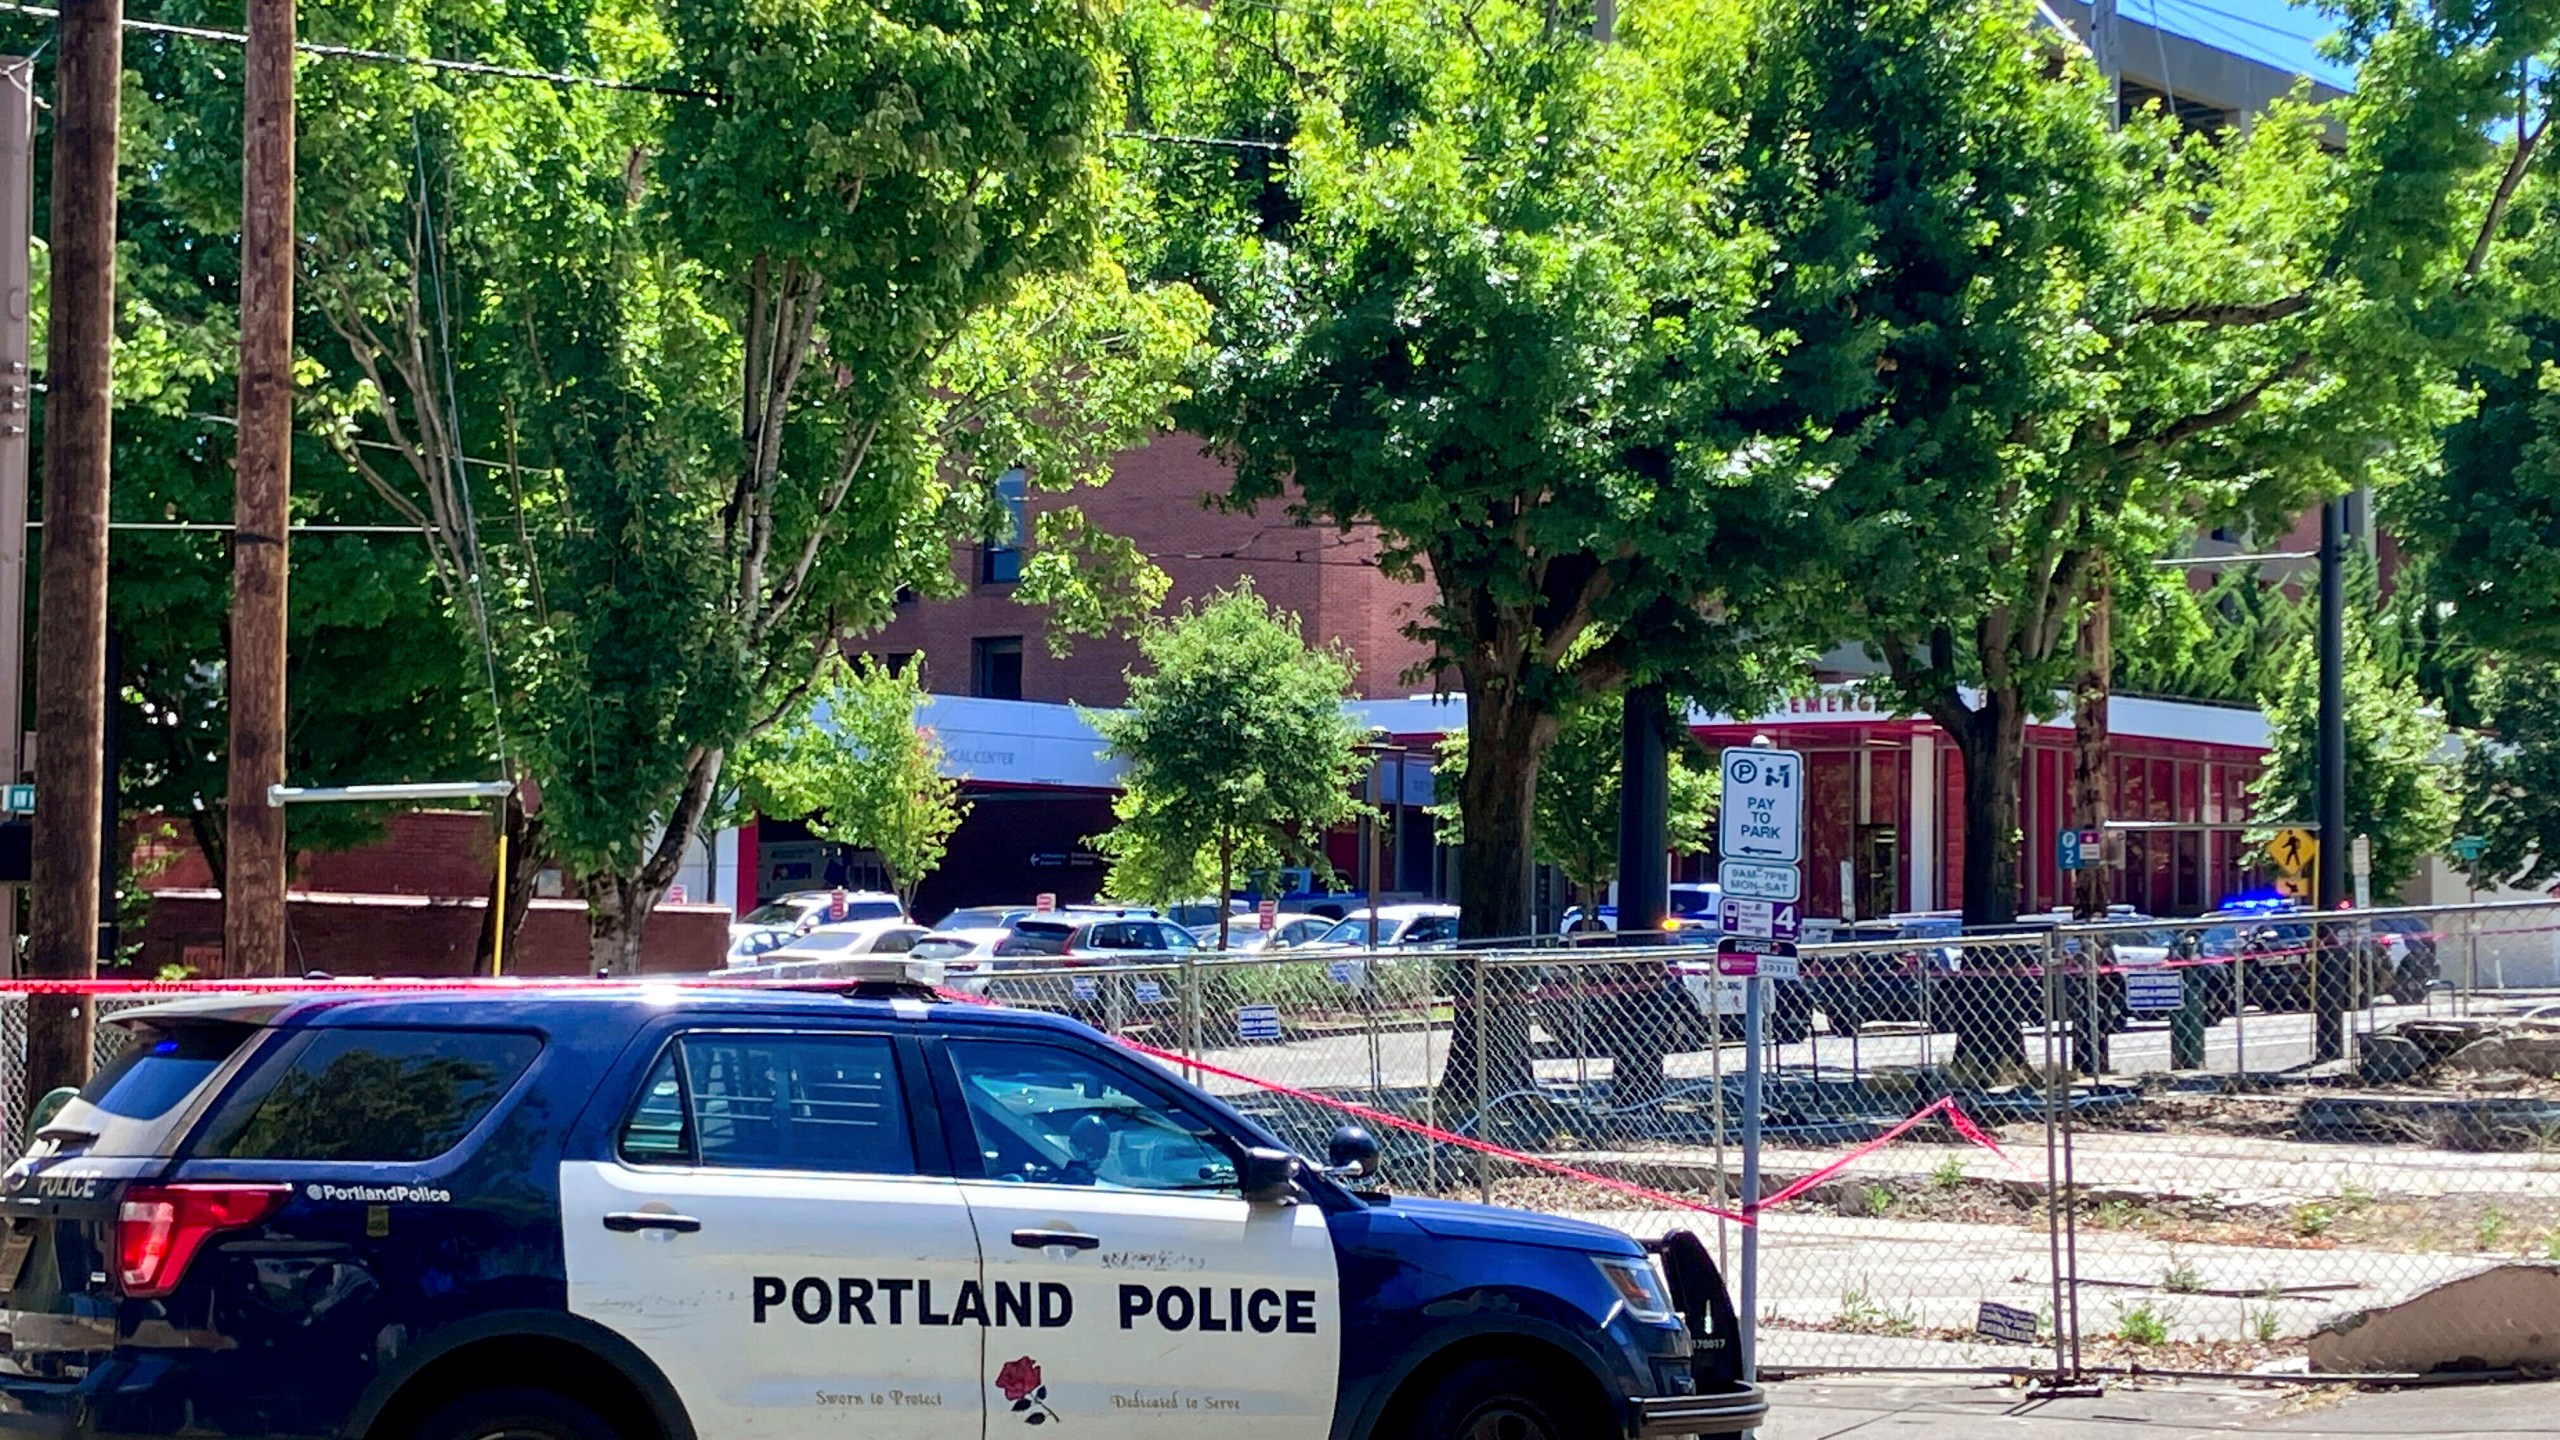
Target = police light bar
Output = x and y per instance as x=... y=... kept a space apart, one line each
x=905 y=970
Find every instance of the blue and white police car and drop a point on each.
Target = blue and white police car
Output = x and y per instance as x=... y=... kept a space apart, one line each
x=611 y=1212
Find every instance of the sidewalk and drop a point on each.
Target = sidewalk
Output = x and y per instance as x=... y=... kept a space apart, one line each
x=1878 y=1409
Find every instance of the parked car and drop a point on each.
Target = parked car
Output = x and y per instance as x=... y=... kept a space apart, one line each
x=844 y=942
x=984 y=917
x=746 y=945
x=1246 y=935
x=1195 y=915
x=1093 y=937
x=1693 y=906
x=804 y=910
x=1399 y=927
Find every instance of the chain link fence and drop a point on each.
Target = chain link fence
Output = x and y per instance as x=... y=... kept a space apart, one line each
x=2054 y=1149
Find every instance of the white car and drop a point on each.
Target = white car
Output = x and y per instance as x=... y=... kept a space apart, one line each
x=965 y=954
x=804 y=910
x=850 y=941
x=748 y=943
x=1245 y=934
x=1400 y=927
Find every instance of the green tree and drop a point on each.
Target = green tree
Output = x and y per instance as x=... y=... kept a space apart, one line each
x=1473 y=319
x=2275 y=317
x=2226 y=643
x=2511 y=779
x=857 y=760
x=2400 y=783
x=1238 y=753
x=679 y=390
x=1579 y=784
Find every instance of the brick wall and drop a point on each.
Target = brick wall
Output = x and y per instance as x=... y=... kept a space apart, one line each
x=1156 y=497
x=423 y=852
x=422 y=935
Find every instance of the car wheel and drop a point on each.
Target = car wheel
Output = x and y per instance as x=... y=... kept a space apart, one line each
x=1499 y=1400
x=515 y=1415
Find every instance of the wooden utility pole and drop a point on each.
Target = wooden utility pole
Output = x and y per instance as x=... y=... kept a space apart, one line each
x=71 y=638
x=2093 y=684
x=253 y=918
x=17 y=395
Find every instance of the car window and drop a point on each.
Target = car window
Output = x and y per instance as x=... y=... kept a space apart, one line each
x=940 y=948
x=1349 y=932
x=872 y=910
x=982 y=918
x=384 y=1096
x=777 y=913
x=1038 y=937
x=1174 y=937
x=131 y=1106
x=1047 y=1116
x=1431 y=930
x=774 y=1102
x=895 y=942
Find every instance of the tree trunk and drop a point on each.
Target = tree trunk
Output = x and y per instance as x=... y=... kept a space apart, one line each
x=1497 y=798
x=508 y=908
x=619 y=906
x=1999 y=992
x=2090 y=761
x=1226 y=881
x=617 y=921
x=1993 y=742
x=2092 y=687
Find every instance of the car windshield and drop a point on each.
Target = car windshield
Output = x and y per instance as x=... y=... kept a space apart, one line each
x=1356 y=932
x=832 y=940
x=779 y=912
x=940 y=948
x=983 y=917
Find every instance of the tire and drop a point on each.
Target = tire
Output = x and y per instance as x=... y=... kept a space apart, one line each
x=516 y=1414
x=1496 y=1399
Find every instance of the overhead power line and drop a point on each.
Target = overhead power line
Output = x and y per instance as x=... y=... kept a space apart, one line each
x=554 y=77
x=383 y=57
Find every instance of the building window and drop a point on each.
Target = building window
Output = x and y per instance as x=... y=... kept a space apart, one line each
x=1000 y=559
x=996 y=667
x=897 y=662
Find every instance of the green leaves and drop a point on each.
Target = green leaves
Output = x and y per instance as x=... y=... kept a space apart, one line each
x=2400 y=787
x=1238 y=754
x=856 y=759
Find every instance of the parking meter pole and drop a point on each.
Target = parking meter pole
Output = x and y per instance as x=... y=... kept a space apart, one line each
x=1755 y=1016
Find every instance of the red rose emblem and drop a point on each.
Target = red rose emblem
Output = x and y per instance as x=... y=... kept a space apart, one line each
x=1018 y=1378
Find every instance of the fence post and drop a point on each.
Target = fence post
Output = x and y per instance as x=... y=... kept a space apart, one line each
x=1484 y=1064
x=1190 y=1015
x=1755 y=1010
x=2053 y=1207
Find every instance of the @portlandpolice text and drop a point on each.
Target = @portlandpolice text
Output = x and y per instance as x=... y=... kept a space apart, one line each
x=1044 y=1305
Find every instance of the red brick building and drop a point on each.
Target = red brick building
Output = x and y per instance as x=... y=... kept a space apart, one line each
x=987 y=644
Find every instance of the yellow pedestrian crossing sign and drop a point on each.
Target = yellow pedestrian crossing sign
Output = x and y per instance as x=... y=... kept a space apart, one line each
x=2294 y=851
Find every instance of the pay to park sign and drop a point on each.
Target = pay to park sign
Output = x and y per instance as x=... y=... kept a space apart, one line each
x=1762 y=817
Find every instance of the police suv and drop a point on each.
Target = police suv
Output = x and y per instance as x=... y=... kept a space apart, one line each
x=662 y=1212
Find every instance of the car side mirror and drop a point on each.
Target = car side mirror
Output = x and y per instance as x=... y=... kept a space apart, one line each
x=1268 y=1177
x=1352 y=1154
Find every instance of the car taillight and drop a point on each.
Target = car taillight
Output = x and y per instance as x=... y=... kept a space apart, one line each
x=160 y=1228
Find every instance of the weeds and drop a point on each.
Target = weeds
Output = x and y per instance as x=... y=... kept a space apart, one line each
x=2115 y=1215
x=2492 y=1230
x=1878 y=1201
x=1950 y=1173
x=2353 y=1198
x=1862 y=1314
x=2143 y=1324
x=2311 y=1220
x=2262 y=1323
x=2551 y=1246
x=2182 y=1278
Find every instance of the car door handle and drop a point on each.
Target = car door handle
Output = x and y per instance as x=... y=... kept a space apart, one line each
x=628 y=1222
x=1043 y=1239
